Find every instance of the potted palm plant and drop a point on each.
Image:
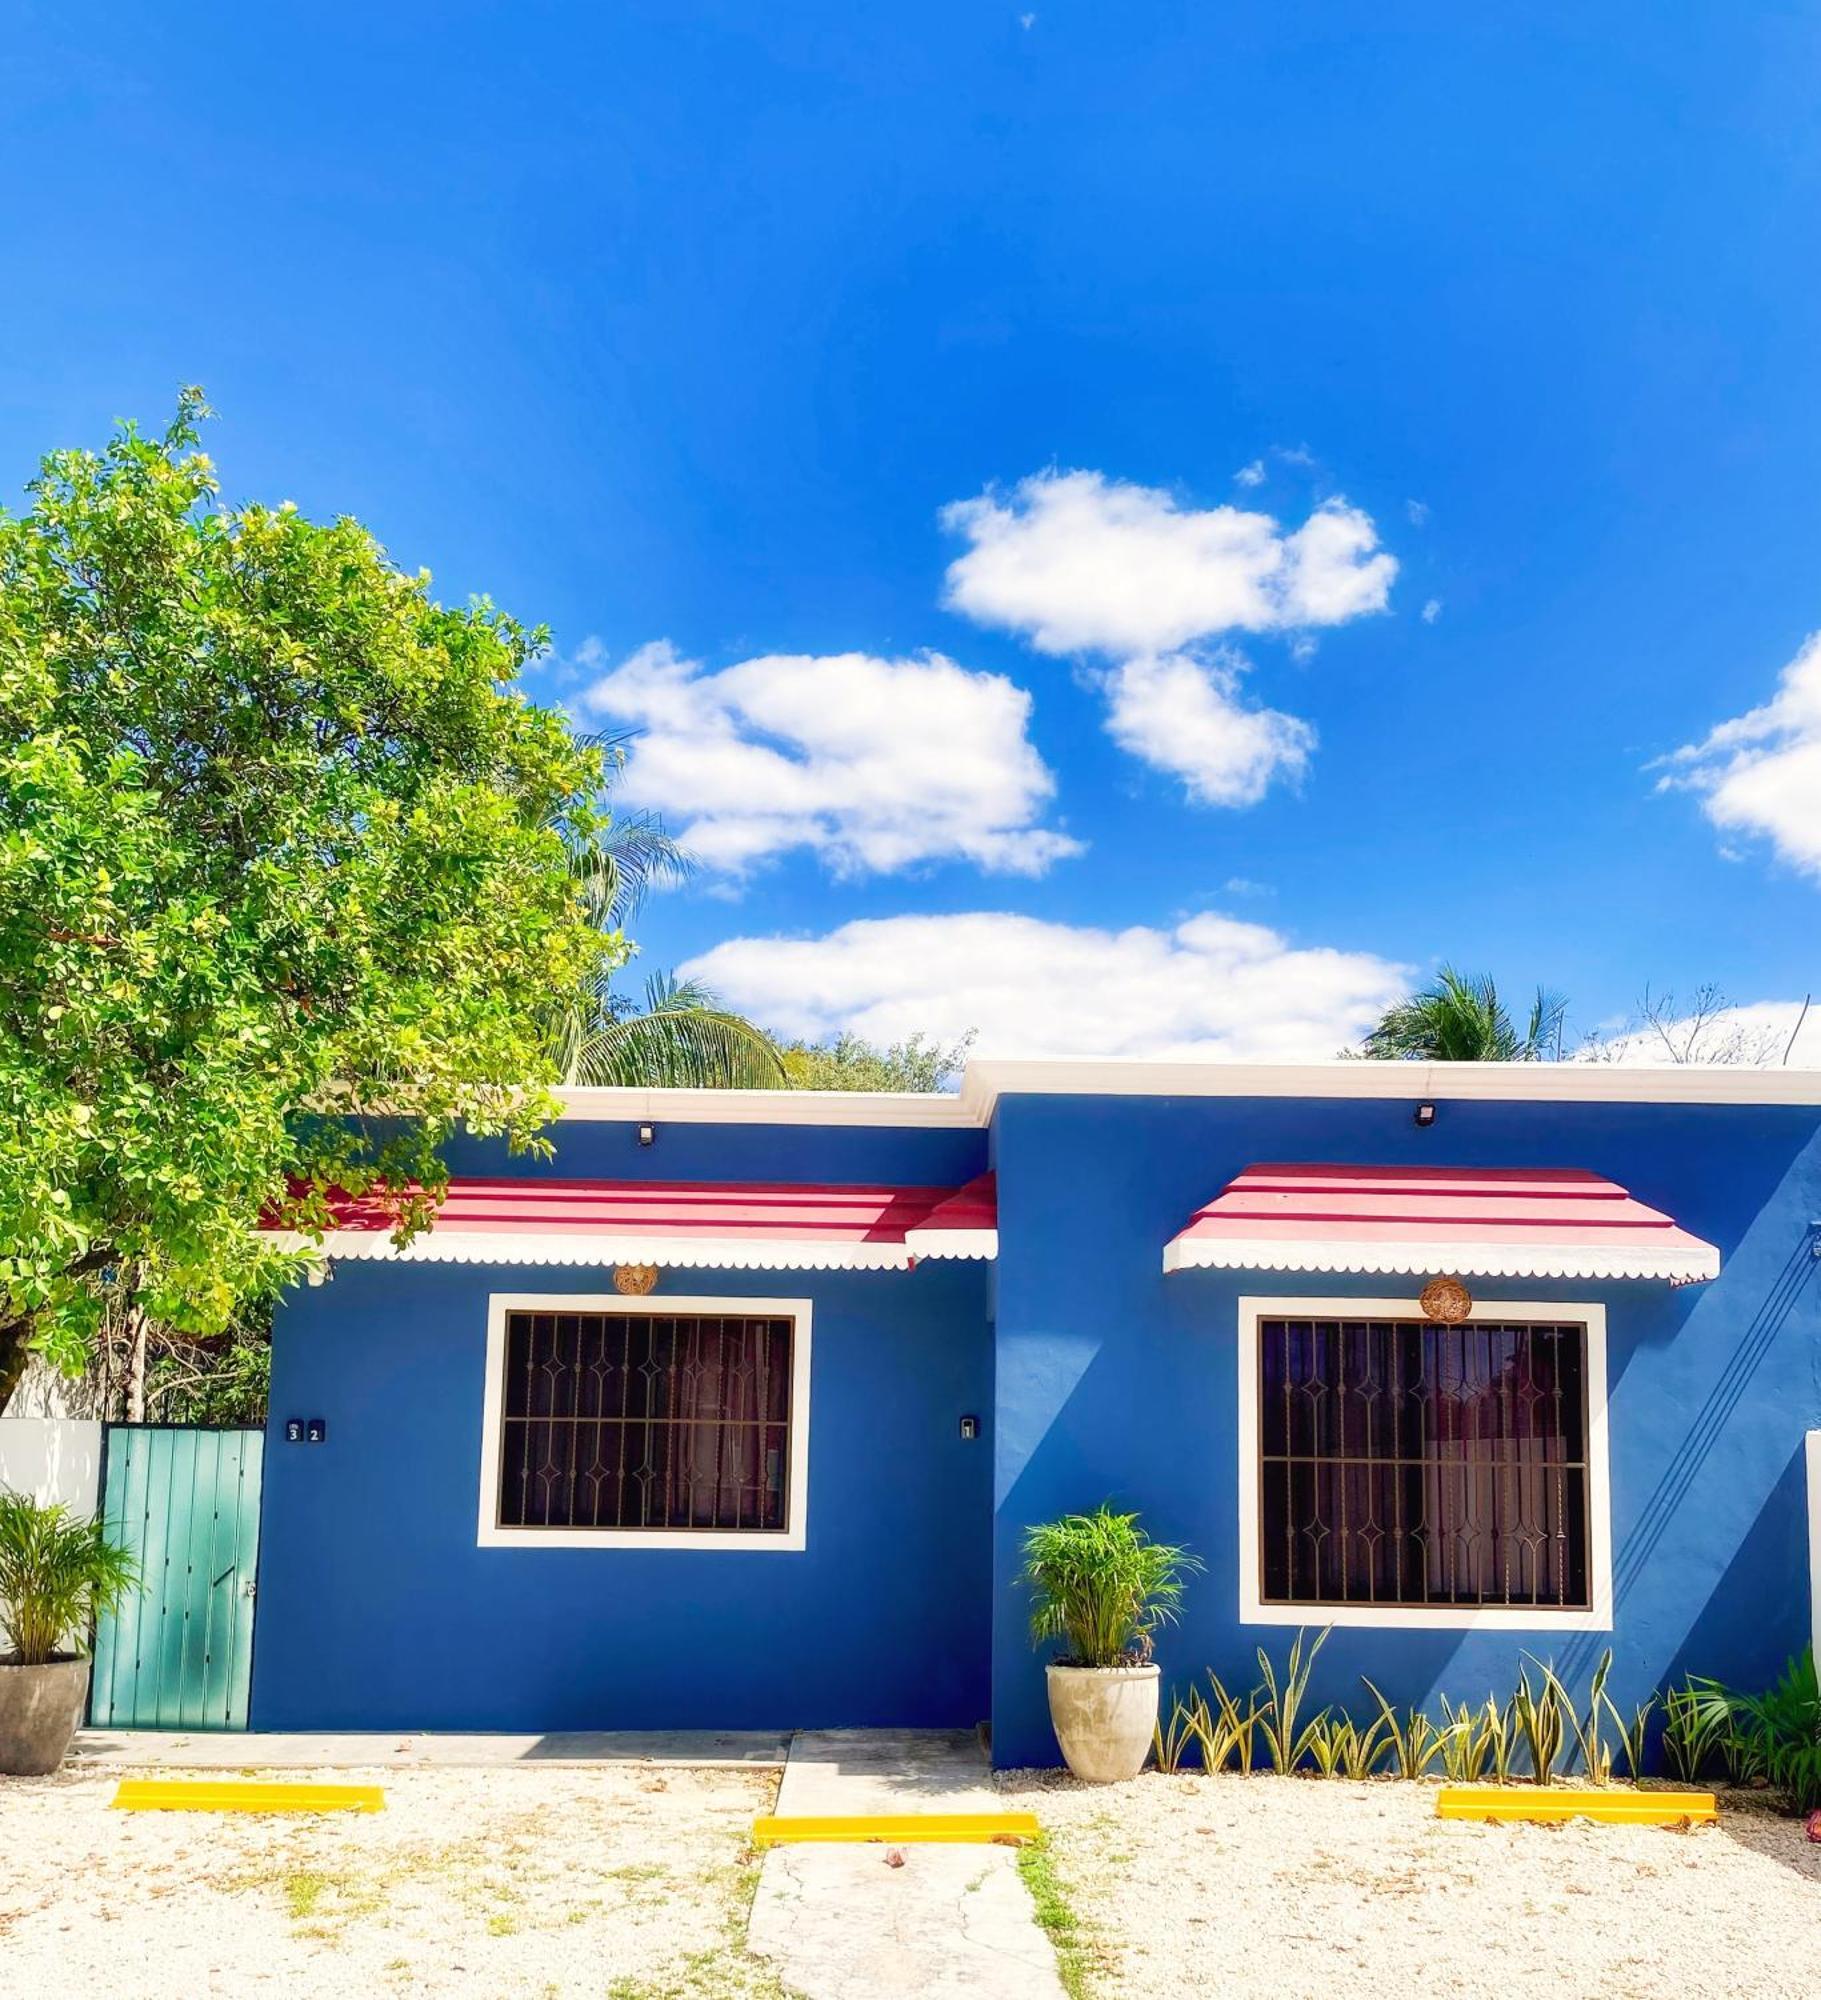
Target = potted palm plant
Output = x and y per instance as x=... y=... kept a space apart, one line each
x=56 y=1572
x=1102 y=1586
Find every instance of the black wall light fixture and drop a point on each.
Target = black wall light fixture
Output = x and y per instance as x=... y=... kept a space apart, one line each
x=647 y=1133
x=1425 y=1115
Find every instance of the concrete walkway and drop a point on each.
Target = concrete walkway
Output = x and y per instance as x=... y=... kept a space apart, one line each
x=245 y=1750
x=843 y=1923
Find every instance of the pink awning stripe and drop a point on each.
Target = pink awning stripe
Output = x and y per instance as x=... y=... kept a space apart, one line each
x=1486 y=1221
x=763 y=1224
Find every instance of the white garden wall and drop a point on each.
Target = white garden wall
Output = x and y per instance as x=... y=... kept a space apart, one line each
x=52 y=1458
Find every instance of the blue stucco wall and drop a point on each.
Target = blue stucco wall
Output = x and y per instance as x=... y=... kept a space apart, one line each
x=377 y=1610
x=1113 y=1380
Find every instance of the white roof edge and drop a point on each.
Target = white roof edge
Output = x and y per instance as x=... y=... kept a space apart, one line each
x=987 y=1079
x=990 y=1078
x=941 y=1109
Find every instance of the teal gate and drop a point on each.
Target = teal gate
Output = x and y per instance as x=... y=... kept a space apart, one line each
x=178 y=1654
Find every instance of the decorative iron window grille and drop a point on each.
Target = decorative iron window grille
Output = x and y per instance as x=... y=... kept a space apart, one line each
x=646 y=1420
x=1407 y=1463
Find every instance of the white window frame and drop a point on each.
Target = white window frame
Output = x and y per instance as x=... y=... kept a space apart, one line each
x=1253 y=1610
x=791 y=1537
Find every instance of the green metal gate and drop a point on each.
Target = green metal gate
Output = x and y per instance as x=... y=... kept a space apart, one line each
x=178 y=1654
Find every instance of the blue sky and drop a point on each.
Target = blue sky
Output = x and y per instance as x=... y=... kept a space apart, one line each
x=1213 y=344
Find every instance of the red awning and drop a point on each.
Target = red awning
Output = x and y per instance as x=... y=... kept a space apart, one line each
x=1495 y=1222
x=740 y=1225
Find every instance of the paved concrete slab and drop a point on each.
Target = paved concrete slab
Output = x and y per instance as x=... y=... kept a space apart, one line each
x=861 y=1922
x=274 y=1751
x=886 y=1771
x=840 y=1923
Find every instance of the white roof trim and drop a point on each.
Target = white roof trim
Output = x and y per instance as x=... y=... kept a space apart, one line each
x=593 y=1248
x=980 y=1243
x=940 y=1109
x=988 y=1079
x=1474 y=1260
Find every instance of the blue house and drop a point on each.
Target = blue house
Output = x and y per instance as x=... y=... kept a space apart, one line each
x=734 y=1414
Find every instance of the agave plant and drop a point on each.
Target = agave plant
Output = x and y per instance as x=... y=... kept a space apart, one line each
x=56 y=1572
x=1102 y=1586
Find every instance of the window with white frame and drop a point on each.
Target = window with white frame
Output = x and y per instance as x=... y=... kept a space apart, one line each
x=662 y=1422
x=1398 y=1470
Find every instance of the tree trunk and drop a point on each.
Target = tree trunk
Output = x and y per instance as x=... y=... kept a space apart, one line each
x=135 y=1364
x=15 y=1352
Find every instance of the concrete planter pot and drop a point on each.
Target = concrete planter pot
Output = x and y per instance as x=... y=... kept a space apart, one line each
x=1105 y=1718
x=39 y=1710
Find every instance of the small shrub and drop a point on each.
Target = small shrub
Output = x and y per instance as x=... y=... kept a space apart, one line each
x=1102 y=1586
x=57 y=1572
x=1775 y=1736
x=1697 y=1725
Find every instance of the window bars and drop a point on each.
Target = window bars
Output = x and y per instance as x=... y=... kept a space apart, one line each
x=646 y=1421
x=1408 y=1463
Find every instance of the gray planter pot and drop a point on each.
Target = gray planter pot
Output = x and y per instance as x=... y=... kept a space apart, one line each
x=1105 y=1718
x=39 y=1710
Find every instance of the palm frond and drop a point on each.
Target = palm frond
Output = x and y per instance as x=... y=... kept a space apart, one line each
x=682 y=1037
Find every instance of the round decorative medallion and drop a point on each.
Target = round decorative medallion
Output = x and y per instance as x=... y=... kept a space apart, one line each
x=1447 y=1300
x=634 y=1279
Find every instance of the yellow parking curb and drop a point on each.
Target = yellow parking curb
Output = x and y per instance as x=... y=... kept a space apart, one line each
x=243 y=1795
x=905 y=1829
x=1545 y=1805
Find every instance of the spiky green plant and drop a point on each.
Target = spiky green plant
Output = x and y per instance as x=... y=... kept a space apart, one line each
x=1285 y=1744
x=1326 y=1742
x=1102 y=1586
x=1228 y=1731
x=1412 y=1738
x=1362 y=1750
x=56 y=1573
x=1584 y=1730
x=1180 y=1731
x=1496 y=1722
x=1466 y=1743
x=1537 y=1714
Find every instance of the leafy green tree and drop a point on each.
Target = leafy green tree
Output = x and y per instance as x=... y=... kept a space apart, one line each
x=281 y=849
x=848 y=1063
x=1458 y=1019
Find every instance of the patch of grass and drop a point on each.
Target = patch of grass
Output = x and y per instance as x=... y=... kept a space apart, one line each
x=1077 y=1960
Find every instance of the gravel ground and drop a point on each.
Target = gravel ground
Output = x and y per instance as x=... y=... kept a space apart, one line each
x=620 y=1882
x=1294 y=1887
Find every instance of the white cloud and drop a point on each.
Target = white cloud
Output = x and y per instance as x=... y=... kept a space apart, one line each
x=1081 y=563
x=1212 y=987
x=1762 y=1033
x=1760 y=773
x=1432 y=610
x=876 y=764
x=1416 y=512
x=1182 y=714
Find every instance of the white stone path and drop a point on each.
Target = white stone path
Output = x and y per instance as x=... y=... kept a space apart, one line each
x=842 y=1923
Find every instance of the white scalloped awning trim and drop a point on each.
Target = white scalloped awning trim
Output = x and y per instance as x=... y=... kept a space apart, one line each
x=1475 y=1260
x=494 y=1246
x=981 y=1243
